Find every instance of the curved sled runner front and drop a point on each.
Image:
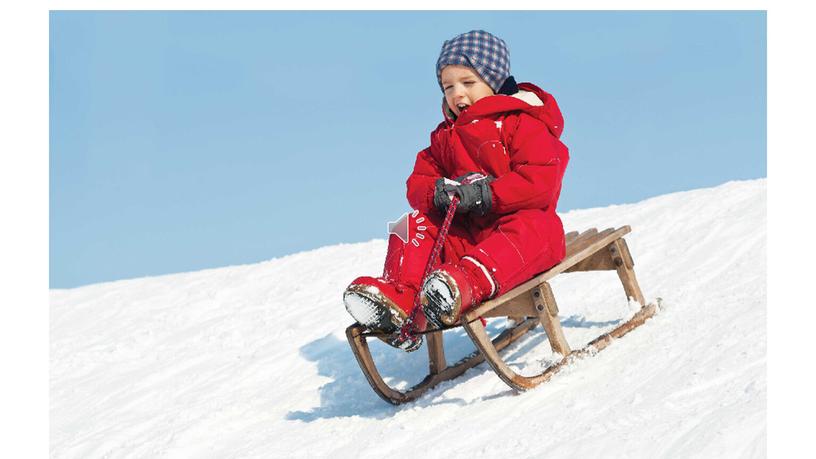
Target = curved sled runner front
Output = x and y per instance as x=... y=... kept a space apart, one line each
x=529 y=304
x=438 y=371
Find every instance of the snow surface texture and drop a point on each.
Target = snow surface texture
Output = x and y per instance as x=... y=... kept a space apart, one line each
x=252 y=361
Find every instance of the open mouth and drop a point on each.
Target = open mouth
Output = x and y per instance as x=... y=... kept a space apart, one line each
x=462 y=107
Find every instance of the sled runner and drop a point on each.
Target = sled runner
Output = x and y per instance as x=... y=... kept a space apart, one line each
x=530 y=304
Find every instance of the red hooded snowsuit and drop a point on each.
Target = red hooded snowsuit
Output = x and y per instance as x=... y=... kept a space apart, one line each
x=517 y=143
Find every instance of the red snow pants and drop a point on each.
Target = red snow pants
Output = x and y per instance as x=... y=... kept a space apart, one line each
x=513 y=247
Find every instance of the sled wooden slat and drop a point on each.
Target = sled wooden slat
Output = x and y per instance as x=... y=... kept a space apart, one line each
x=582 y=240
x=529 y=304
x=598 y=261
x=586 y=239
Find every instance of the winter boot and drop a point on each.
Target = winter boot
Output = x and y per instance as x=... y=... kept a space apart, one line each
x=453 y=289
x=381 y=306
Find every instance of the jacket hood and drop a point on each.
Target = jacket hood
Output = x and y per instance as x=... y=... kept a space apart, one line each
x=530 y=99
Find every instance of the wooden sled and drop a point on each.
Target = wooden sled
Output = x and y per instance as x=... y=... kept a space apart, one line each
x=529 y=304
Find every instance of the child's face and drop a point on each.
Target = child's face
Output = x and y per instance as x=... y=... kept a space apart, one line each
x=463 y=87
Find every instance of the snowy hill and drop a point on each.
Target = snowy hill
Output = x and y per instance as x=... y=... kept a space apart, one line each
x=251 y=361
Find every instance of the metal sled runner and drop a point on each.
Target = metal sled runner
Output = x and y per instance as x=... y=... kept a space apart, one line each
x=530 y=303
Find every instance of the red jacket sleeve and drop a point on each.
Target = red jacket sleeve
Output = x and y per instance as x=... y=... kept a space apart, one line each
x=537 y=163
x=422 y=180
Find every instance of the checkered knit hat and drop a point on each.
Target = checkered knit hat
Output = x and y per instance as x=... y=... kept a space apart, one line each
x=480 y=50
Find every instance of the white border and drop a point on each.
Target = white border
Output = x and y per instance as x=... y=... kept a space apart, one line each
x=24 y=195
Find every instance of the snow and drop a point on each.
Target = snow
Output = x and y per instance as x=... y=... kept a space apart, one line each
x=252 y=361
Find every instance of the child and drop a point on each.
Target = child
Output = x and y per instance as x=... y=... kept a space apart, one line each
x=498 y=151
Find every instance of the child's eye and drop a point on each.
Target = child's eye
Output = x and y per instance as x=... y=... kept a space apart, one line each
x=468 y=83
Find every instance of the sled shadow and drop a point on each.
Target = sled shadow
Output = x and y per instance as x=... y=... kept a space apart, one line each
x=578 y=321
x=349 y=394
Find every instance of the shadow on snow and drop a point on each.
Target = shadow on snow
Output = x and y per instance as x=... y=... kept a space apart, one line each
x=348 y=394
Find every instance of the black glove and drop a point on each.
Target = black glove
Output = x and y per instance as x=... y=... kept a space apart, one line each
x=473 y=192
x=442 y=195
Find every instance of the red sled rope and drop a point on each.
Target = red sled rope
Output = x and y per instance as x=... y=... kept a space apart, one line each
x=407 y=336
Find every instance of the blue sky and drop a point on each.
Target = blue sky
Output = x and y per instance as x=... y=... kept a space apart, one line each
x=188 y=140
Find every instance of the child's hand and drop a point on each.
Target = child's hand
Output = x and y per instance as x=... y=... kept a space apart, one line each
x=474 y=194
x=444 y=191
